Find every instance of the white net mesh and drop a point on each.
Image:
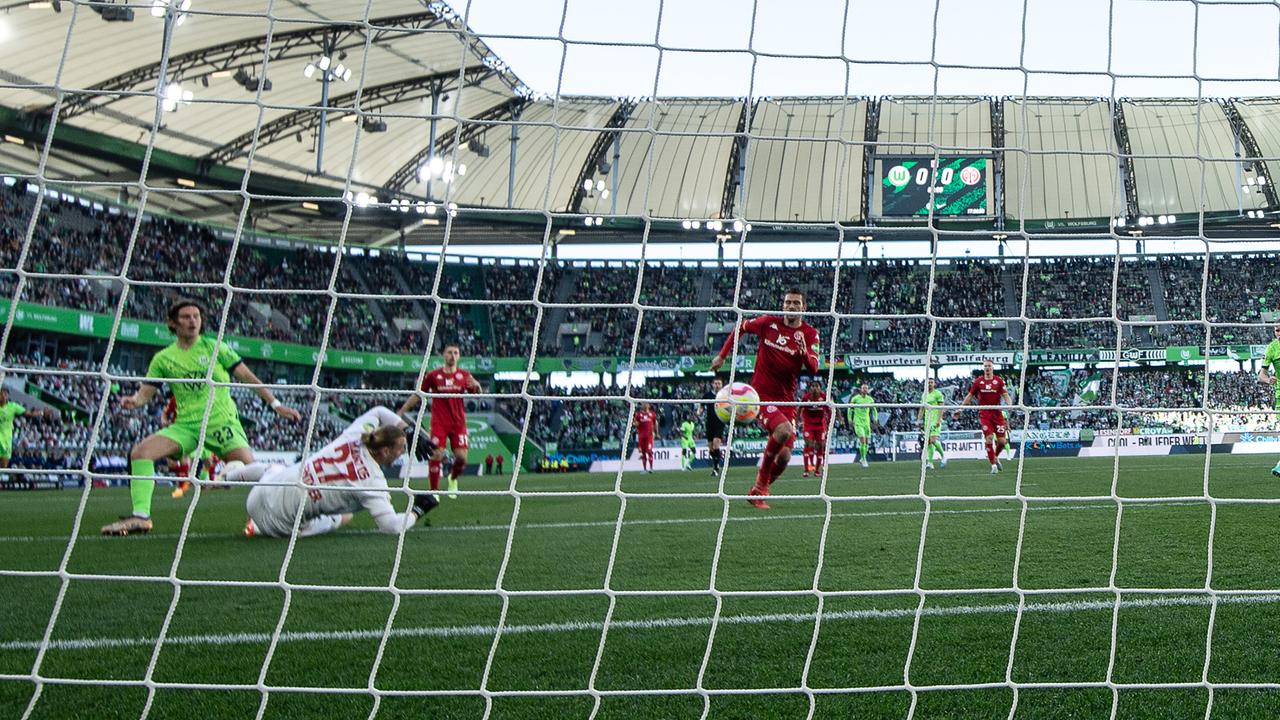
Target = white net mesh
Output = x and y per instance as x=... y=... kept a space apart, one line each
x=318 y=177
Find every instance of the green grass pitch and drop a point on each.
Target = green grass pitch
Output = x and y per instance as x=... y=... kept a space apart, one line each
x=659 y=565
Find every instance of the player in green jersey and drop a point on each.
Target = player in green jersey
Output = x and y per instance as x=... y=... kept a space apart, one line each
x=9 y=411
x=931 y=414
x=1268 y=373
x=860 y=418
x=189 y=358
x=688 y=446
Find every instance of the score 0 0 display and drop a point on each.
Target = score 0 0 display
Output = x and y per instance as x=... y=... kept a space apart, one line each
x=908 y=185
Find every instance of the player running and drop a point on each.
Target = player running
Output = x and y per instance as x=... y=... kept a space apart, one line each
x=189 y=358
x=646 y=421
x=859 y=415
x=448 y=416
x=930 y=416
x=344 y=477
x=715 y=430
x=688 y=445
x=815 y=419
x=988 y=388
x=788 y=347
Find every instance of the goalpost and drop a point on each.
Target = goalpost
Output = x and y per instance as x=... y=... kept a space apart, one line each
x=894 y=592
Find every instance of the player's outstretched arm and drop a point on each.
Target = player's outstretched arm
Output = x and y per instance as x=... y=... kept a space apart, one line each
x=409 y=405
x=751 y=327
x=375 y=417
x=1265 y=377
x=391 y=522
x=139 y=398
x=247 y=376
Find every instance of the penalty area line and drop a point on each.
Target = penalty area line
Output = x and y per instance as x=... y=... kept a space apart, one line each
x=487 y=631
x=583 y=524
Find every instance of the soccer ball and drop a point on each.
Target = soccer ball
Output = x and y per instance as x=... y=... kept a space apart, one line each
x=738 y=400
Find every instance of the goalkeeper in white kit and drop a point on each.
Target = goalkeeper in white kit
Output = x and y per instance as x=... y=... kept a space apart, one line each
x=334 y=483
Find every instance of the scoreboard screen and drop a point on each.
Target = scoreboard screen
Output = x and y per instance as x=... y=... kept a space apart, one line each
x=955 y=186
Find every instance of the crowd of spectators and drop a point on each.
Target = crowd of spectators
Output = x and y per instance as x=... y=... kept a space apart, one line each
x=78 y=254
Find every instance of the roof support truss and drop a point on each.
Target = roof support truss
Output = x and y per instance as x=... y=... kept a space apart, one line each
x=405 y=175
x=734 y=176
x=597 y=153
x=1253 y=153
x=1126 y=160
x=290 y=44
x=365 y=100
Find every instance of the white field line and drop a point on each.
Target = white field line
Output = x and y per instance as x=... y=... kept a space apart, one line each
x=487 y=631
x=503 y=527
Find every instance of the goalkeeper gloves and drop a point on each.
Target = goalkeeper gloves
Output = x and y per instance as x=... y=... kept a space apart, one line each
x=423 y=448
x=423 y=504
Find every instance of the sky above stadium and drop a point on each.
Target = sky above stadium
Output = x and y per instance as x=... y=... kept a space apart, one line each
x=1108 y=48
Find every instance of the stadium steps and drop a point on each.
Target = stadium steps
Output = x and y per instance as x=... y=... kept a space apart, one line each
x=569 y=279
x=355 y=276
x=479 y=314
x=402 y=287
x=860 y=284
x=1010 y=278
x=1155 y=279
x=706 y=291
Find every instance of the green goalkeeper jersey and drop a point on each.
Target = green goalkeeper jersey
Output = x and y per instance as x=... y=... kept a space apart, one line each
x=174 y=363
x=861 y=415
x=686 y=431
x=933 y=415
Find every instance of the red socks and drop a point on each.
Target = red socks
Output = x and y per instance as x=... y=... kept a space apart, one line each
x=456 y=469
x=433 y=474
x=779 y=464
x=765 y=474
x=991 y=453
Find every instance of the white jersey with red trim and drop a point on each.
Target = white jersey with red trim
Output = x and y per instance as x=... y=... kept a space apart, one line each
x=339 y=478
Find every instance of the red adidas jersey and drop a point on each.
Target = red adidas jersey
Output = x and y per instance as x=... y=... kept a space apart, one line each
x=646 y=421
x=448 y=412
x=779 y=359
x=987 y=392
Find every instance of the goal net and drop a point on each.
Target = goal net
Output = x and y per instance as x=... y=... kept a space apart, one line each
x=1079 y=194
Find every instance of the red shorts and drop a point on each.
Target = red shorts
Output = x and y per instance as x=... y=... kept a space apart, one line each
x=816 y=437
x=457 y=438
x=646 y=445
x=771 y=416
x=993 y=422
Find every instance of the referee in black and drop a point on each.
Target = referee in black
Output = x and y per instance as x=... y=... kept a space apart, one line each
x=715 y=430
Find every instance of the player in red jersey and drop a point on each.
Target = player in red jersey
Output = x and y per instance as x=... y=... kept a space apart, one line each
x=646 y=420
x=988 y=389
x=448 y=416
x=788 y=347
x=815 y=418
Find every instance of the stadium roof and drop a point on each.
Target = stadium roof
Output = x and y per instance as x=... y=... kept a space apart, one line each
x=785 y=160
